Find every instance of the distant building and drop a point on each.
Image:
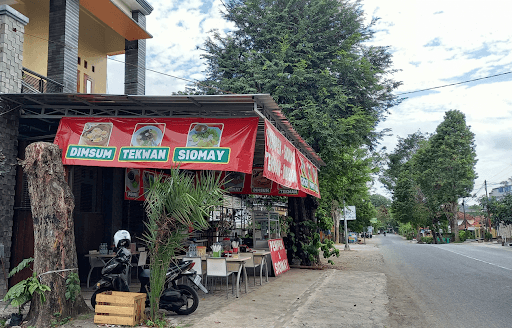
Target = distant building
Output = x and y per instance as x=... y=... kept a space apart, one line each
x=500 y=191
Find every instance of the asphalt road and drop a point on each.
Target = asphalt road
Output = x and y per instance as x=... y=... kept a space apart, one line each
x=456 y=285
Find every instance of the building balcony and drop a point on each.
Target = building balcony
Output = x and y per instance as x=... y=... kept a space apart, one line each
x=33 y=82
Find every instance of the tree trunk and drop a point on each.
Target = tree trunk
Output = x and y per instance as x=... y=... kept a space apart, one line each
x=52 y=205
x=302 y=210
x=453 y=220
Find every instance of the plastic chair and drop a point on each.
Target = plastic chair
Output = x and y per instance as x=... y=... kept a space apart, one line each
x=94 y=262
x=141 y=263
x=217 y=268
x=250 y=264
x=198 y=265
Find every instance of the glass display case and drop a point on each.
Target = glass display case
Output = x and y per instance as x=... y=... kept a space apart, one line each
x=265 y=227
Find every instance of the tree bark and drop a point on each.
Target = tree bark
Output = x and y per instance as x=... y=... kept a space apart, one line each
x=302 y=210
x=52 y=205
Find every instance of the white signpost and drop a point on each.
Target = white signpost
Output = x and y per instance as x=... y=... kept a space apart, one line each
x=349 y=213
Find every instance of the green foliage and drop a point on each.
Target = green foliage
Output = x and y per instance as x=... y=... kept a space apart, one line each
x=499 y=209
x=315 y=60
x=22 y=265
x=157 y=322
x=58 y=320
x=72 y=287
x=428 y=176
x=19 y=294
x=465 y=235
x=488 y=235
x=175 y=204
x=427 y=240
x=23 y=291
x=403 y=152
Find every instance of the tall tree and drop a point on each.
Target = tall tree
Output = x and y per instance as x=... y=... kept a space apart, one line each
x=314 y=58
x=447 y=165
x=403 y=152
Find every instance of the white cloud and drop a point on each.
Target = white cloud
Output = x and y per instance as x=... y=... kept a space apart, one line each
x=469 y=39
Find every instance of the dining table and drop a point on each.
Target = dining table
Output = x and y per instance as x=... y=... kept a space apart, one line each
x=235 y=264
x=260 y=257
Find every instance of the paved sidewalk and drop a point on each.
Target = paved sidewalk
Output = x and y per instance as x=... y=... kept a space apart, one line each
x=309 y=298
x=297 y=298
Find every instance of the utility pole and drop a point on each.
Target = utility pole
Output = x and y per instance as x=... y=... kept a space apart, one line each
x=347 y=248
x=464 y=210
x=487 y=205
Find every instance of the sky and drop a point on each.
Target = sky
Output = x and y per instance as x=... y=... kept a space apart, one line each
x=434 y=43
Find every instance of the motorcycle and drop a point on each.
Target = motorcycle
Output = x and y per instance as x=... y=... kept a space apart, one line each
x=384 y=233
x=114 y=275
x=181 y=299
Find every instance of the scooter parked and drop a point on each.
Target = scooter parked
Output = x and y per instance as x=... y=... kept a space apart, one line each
x=114 y=275
x=181 y=299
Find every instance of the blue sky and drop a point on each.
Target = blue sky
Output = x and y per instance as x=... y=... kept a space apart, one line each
x=433 y=43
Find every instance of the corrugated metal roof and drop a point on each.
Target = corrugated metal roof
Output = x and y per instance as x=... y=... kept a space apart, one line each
x=57 y=105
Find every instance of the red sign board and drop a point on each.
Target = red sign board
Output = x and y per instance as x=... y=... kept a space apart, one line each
x=193 y=143
x=308 y=176
x=279 y=257
x=280 y=161
x=257 y=184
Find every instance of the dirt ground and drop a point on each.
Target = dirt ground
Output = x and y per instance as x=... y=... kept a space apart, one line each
x=403 y=305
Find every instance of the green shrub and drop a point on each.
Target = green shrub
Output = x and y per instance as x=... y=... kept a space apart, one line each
x=488 y=235
x=427 y=240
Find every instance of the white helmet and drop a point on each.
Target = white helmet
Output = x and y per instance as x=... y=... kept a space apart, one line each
x=122 y=239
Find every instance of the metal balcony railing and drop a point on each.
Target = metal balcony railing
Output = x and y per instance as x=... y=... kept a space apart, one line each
x=33 y=82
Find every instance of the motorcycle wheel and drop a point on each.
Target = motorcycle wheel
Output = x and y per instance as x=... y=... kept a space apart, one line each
x=98 y=291
x=192 y=300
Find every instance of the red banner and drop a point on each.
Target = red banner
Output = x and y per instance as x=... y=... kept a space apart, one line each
x=279 y=257
x=192 y=143
x=308 y=176
x=280 y=163
x=257 y=184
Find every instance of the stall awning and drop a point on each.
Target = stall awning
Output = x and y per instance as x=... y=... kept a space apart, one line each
x=278 y=151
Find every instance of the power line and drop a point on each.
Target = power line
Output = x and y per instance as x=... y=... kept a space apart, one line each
x=174 y=76
x=451 y=84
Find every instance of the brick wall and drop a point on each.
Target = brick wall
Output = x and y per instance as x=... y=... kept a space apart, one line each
x=12 y=25
x=135 y=61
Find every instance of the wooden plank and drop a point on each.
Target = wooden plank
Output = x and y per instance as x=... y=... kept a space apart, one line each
x=127 y=321
x=117 y=310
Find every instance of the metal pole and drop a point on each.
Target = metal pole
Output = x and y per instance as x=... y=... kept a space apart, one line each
x=347 y=248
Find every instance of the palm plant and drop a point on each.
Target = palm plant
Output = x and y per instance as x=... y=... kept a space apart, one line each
x=176 y=204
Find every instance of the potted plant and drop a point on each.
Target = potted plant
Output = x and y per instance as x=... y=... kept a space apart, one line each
x=21 y=293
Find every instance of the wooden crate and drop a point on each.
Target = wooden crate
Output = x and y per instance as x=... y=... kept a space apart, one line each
x=120 y=308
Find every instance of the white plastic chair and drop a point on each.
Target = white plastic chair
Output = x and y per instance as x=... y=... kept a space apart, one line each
x=250 y=264
x=217 y=268
x=198 y=266
x=94 y=262
x=143 y=257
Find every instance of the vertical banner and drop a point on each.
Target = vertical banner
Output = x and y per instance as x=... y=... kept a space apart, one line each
x=308 y=176
x=279 y=257
x=280 y=160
